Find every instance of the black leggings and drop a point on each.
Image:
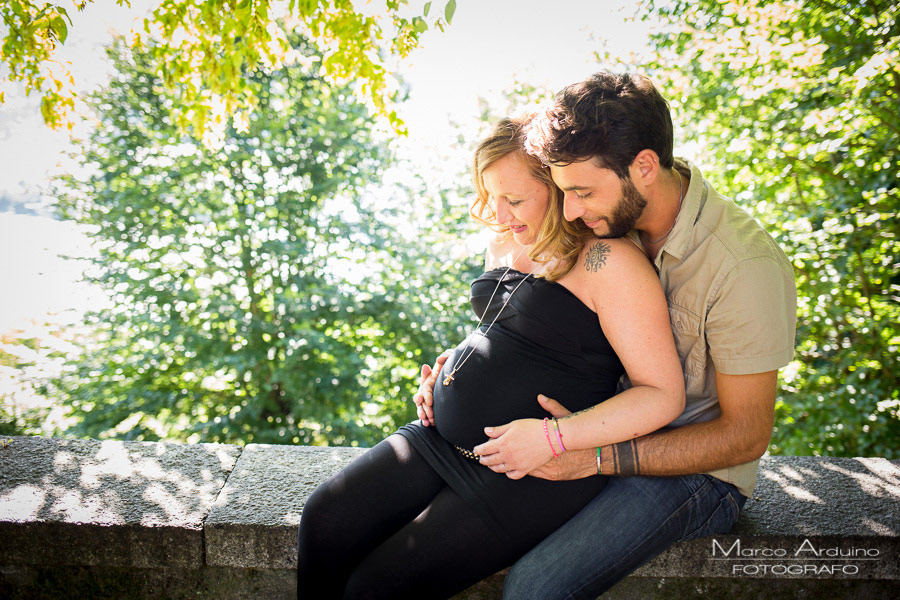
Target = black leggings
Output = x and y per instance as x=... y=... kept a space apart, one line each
x=387 y=526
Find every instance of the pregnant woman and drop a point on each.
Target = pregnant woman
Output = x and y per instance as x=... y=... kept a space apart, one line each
x=560 y=313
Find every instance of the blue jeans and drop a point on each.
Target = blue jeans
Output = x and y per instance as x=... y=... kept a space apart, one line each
x=632 y=520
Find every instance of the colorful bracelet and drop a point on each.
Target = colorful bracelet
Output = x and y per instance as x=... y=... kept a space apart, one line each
x=547 y=433
x=559 y=436
x=599 y=461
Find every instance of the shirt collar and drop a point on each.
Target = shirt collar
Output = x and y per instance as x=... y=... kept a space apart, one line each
x=679 y=238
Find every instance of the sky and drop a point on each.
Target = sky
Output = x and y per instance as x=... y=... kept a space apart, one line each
x=493 y=43
x=489 y=46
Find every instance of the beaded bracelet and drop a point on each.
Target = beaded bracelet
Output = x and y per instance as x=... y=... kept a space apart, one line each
x=599 y=461
x=547 y=433
x=559 y=436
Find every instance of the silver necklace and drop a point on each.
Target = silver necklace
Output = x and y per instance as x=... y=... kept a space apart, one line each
x=680 y=200
x=449 y=378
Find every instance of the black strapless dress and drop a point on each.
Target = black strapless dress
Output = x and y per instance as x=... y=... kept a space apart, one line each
x=545 y=341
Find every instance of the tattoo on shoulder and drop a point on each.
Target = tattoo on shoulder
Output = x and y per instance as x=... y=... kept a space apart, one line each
x=596 y=256
x=625 y=458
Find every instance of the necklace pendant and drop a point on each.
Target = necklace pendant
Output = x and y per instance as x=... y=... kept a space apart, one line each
x=448 y=379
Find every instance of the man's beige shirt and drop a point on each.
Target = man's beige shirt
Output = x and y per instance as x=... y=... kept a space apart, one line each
x=732 y=301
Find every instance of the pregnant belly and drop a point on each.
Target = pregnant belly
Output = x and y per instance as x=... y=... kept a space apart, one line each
x=498 y=383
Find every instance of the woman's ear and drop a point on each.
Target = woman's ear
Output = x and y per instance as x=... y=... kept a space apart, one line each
x=644 y=169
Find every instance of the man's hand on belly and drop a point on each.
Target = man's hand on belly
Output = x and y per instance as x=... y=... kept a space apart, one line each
x=574 y=464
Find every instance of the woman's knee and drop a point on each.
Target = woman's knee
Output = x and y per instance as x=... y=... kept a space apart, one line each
x=318 y=519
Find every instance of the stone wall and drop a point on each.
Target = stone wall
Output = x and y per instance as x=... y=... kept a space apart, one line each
x=110 y=519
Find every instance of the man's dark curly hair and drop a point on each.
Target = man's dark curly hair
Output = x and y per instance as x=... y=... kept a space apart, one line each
x=610 y=117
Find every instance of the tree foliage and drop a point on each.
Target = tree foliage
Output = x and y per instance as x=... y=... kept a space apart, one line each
x=258 y=294
x=203 y=51
x=22 y=409
x=796 y=105
x=33 y=33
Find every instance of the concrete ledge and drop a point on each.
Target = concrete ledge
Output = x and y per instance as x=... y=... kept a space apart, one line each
x=126 y=583
x=253 y=524
x=104 y=519
x=110 y=503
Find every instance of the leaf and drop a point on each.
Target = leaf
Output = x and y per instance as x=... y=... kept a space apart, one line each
x=427 y=8
x=61 y=10
x=47 y=109
x=59 y=28
x=449 y=10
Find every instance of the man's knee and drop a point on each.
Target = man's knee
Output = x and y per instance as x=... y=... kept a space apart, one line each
x=718 y=508
x=529 y=577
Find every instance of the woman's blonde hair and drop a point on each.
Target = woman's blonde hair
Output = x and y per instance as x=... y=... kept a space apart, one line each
x=559 y=242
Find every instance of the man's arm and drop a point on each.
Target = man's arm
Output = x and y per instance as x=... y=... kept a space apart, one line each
x=739 y=435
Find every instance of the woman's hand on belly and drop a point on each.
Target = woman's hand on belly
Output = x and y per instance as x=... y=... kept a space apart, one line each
x=424 y=397
x=513 y=446
x=517 y=448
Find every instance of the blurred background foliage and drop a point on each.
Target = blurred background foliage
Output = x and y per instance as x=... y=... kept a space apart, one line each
x=795 y=109
x=278 y=288
x=264 y=291
x=285 y=285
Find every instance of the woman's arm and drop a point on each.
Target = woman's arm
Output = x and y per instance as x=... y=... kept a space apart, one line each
x=739 y=435
x=619 y=283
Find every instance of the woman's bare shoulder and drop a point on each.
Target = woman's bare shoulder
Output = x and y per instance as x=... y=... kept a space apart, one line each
x=610 y=254
x=614 y=272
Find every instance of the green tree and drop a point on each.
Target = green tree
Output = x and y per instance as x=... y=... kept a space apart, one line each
x=203 y=49
x=22 y=408
x=795 y=106
x=258 y=295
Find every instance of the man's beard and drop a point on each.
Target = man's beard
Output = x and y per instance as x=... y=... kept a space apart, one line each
x=627 y=211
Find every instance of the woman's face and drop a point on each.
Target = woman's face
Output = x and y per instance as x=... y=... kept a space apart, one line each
x=520 y=200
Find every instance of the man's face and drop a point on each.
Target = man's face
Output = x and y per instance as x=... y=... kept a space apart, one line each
x=608 y=205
